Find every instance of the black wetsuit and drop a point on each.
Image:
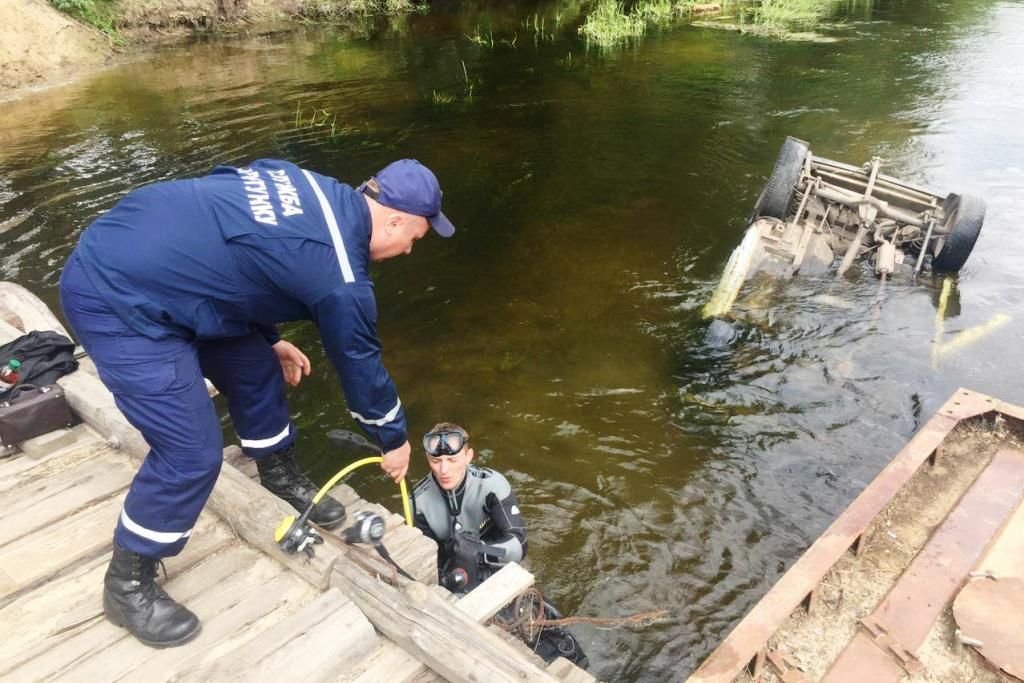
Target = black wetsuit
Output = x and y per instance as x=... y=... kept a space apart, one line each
x=479 y=528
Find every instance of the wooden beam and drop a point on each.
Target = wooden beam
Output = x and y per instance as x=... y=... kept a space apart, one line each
x=394 y=664
x=26 y=310
x=488 y=598
x=435 y=631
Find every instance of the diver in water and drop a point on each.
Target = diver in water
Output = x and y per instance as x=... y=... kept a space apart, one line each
x=473 y=514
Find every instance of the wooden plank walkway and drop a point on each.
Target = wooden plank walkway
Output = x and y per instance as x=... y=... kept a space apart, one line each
x=265 y=614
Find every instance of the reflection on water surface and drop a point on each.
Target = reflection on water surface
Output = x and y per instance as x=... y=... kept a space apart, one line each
x=597 y=196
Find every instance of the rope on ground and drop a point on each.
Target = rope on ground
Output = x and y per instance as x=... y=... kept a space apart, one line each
x=528 y=617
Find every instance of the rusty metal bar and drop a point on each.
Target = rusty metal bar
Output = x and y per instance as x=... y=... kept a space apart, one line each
x=754 y=630
x=901 y=622
x=785 y=668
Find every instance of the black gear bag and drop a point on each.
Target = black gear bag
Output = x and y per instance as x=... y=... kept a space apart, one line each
x=44 y=356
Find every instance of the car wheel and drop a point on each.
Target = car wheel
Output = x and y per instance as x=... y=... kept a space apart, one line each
x=964 y=216
x=778 y=192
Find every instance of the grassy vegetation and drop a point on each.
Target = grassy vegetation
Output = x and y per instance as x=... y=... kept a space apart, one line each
x=328 y=10
x=609 y=23
x=786 y=13
x=101 y=14
x=781 y=17
x=442 y=98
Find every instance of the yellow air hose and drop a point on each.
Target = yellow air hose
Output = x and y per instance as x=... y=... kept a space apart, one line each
x=357 y=464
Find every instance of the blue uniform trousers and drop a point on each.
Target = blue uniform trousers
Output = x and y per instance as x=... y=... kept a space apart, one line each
x=158 y=386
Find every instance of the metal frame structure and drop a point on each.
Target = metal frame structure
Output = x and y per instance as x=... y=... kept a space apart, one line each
x=746 y=646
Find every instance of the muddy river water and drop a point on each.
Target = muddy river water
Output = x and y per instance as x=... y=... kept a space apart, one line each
x=597 y=196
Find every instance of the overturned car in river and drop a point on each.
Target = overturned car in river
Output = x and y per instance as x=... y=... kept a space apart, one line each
x=816 y=216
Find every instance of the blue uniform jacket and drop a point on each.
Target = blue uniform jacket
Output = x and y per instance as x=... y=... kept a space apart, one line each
x=243 y=249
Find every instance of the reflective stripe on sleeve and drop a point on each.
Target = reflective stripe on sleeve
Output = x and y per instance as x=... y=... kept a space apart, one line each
x=332 y=227
x=392 y=414
x=265 y=443
x=158 y=536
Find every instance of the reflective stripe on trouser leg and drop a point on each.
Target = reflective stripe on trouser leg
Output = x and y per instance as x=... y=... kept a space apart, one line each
x=247 y=372
x=158 y=387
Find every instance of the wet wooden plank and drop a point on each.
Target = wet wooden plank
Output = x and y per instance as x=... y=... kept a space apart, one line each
x=911 y=607
x=42 y=556
x=330 y=632
x=221 y=584
x=39 y=620
x=47 y=500
x=76 y=651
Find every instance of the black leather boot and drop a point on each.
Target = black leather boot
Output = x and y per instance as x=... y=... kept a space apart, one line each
x=280 y=474
x=132 y=599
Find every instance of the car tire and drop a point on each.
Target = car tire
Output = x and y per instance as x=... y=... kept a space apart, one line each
x=778 y=192
x=964 y=216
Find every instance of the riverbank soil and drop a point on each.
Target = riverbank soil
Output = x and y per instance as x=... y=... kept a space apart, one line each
x=148 y=20
x=40 y=46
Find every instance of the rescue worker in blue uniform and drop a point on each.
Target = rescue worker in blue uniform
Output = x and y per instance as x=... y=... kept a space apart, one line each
x=473 y=514
x=188 y=278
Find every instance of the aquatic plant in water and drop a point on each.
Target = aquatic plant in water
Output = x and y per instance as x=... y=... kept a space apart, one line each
x=442 y=98
x=610 y=24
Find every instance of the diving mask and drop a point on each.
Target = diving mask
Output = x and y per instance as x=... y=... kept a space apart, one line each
x=437 y=444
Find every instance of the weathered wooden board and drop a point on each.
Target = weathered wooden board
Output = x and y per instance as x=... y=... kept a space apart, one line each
x=43 y=556
x=330 y=632
x=395 y=665
x=25 y=311
x=497 y=591
x=566 y=671
x=219 y=584
x=261 y=609
x=77 y=650
x=37 y=621
x=433 y=630
x=23 y=469
x=48 y=500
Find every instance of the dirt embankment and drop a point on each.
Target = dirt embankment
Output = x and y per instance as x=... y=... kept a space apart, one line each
x=40 y=46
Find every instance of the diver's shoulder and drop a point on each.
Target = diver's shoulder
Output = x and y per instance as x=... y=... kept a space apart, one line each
x=493 y=480
x=423 y=486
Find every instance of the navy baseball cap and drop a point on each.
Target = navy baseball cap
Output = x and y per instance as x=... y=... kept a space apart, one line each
x=409 y=186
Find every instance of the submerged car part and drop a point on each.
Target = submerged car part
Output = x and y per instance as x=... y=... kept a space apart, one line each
x=814 y=211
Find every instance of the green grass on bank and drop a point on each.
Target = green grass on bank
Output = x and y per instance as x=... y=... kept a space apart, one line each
x=101 y=14
x=328 y=10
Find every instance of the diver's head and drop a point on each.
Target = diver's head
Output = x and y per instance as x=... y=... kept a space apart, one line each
x=448 y=454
